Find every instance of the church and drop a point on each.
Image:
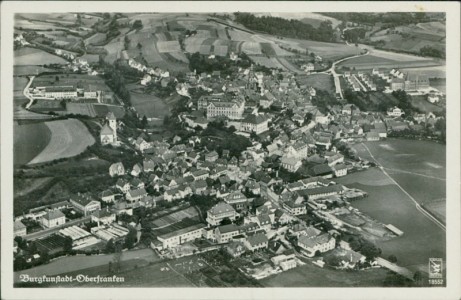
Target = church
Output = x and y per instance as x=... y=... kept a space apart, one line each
x=108 y=133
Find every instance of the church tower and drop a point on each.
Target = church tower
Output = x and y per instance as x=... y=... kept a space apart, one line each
x=112 y=124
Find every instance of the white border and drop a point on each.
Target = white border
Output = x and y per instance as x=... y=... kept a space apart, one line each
x=452 y=291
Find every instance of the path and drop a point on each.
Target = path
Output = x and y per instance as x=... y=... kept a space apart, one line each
x=27 y=94
x=417 y=174
x=393 y=267
x=417 y=205
x=360 y=83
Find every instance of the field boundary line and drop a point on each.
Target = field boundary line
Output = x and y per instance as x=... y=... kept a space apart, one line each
x=413 y=173
x=418 y=206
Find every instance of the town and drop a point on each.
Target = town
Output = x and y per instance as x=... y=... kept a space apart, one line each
x=249 y=174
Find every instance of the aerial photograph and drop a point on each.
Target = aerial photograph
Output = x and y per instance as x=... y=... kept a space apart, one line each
x=229 y=149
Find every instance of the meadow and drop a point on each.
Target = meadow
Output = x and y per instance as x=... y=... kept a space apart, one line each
x=29 y=141
x=68 y=138
x=318 y=81
x=32 y=56
x=148 y=105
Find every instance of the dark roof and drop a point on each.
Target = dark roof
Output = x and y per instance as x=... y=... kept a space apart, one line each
x=228 y=228
x=257 y=239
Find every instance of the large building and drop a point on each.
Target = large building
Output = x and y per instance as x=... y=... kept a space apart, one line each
x=415 y=82
x=232 y=109
x=53 y=218
x=65 y=92
x=176 y=238
x=85 y=203
x=257 y=124
x=219 y=212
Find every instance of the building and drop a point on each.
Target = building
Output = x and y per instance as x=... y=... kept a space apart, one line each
x=322 y=192
x=294 y=208
x=257 y=124
x=395 y=112
x=84 y=203
x=372 y=136
x=219 y=212
x=108 y=133
x=256 y=241
x=116 y=169
x=232 y=109
x=415 y=82
x=397 y=84
x=321 y=243
x=235 y=248
x=237 y=200
x=53 y=218
x=340 y=170
x=225 y=233
x=291 y=164
x=211 y=156
x=103 y=216
x=19 y=229
x=181 y=236
x=135 y=195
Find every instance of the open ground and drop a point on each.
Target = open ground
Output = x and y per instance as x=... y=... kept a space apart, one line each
x=68 y=138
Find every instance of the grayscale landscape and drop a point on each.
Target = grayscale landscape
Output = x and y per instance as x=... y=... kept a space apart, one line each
x=230 y=149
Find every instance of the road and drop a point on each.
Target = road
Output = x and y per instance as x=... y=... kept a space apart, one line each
x=39 y=234
x=417 y=205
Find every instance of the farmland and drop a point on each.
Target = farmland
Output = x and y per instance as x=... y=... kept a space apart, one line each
x=148 y=105
x=32 y=56
x=318 y=81
x=29 y=141
x=68 y=138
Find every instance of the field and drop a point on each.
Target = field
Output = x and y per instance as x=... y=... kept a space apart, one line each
x=148 y=105
x=96 y=39
x=81 y=262
x=422 y=103
x=28 y=70
x=329 y=51
x=175 y=217
x=310 y=275
x=251 y=48
x=267 y=62
x=114 y=48
x=29 y=141
x=68 y=138
x=318 y=81
x=23 y=186
x=168 y=46
x=32 y=56
x=419 y=168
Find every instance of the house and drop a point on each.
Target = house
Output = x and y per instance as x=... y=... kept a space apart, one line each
x=53 y=218
x=148 y=165
x=135 y=195
x=219 y=212
x=372 y=136
x=257 y=124
x=322 y=192
x=397 y=84
x=200 y=175
x=103 y=216
x=237 y=200
x=281 y=217
x=256 y=242
x=141 y=145
x=123 y=185
x=181 y=236
x=285 y=262
x=199 y=186
x=253 y=186
x=264 y=221
x=295 y=208
x=137 y=169
x=433 y=98
x=225 y=233
x=350 y=258
x=322 y=170
x=211 y=156
x=84 y=203
x=340 y=170
x=291 y=164
x=321 y=243
x=116 y=169
x=108 y=196
x=137 y=184
x=395 y=112
x=19 y=229
x=235 y=248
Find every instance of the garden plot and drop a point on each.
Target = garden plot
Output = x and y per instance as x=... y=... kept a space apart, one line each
x=251 y=48
x=32 y=56
x=168 y=46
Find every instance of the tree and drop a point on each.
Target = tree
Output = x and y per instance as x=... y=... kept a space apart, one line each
x=226 y=221
x=137 y=25
x=392 y=258
x=370 y=251
x=418 y=276
x=131 y=237
x=56 y=79
x=144 y=122
x=139 y=46
x=110 y=247
x=67 y=244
